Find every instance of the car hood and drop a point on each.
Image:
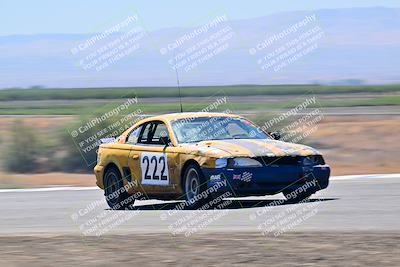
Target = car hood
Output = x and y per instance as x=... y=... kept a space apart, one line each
x=253 y=148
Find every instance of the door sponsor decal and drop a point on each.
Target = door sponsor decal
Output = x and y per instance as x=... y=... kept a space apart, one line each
x=154 y=168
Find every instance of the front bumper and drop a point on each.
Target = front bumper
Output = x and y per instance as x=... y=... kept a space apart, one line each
x=99 y=172
x=267 y=180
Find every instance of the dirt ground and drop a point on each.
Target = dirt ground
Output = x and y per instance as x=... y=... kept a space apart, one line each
x=239 y=249
x=352 y=144
x=359 y=144
x=46 y=180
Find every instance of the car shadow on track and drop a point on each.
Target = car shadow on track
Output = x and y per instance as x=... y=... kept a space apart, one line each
x=229 y=204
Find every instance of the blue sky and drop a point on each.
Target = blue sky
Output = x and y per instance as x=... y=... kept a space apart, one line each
x=78 y=16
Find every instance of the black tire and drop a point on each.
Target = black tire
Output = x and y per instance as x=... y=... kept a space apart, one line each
x=298 y=198
x=116 y=196
x=194 y=184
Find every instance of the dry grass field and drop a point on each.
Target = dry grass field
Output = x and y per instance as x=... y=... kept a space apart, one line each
x=359 y=144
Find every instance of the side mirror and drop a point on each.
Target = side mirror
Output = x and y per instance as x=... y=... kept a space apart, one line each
x=275 y=135
x=165 y=140
x=107 y=140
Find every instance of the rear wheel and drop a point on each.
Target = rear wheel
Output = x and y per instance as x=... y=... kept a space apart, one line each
x=116 y=196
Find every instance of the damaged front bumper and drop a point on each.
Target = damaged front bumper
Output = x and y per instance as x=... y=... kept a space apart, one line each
x=268 y=180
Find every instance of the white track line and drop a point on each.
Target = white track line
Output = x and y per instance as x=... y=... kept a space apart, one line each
x=75 y=188
x=49 y=189
x=365 y=176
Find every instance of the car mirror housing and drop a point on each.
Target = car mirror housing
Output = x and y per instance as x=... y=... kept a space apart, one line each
x=275 y=135
x=107 y=140
x=165 y=140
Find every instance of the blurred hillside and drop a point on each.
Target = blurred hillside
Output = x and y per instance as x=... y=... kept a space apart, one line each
x=359 y=45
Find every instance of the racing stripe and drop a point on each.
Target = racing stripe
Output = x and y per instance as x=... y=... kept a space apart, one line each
x=269 y=147
x=296 y=149
x=289 y=149
x=259 y=147
x=233 y=149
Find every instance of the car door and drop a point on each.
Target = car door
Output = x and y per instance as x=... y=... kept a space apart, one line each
x=152 y=163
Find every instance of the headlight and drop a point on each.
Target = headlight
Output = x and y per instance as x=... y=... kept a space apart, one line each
x=98 y=157
x=221 y=163
x=244 y=162
x=313 y=160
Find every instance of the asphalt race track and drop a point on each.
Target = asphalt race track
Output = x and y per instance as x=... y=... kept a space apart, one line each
x=359 y=203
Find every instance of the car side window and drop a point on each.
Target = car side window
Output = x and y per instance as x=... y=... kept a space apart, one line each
x=145 y=135
x=134 y=135
x=160 y=131
x=152 y=132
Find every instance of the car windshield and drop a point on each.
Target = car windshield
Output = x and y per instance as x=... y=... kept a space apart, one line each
x=215 y=128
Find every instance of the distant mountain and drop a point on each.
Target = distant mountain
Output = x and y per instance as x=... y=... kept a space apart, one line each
x=357 y=44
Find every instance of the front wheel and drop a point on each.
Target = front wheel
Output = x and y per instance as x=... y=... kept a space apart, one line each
x=194 y=185
x=116 y=196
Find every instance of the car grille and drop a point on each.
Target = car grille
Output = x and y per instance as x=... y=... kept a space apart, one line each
x=279 y=160
x=289 y=160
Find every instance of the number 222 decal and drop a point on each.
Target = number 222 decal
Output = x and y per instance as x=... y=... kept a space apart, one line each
x=154 y=168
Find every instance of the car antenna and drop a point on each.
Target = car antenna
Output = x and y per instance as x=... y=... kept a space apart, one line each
x=179 y=87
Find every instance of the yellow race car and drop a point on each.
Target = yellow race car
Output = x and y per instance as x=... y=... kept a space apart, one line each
x=197 y=156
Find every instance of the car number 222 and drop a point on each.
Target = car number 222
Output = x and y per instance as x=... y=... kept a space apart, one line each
x=154 y=168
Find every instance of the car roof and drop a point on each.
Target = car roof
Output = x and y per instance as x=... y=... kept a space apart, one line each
x=186 y=115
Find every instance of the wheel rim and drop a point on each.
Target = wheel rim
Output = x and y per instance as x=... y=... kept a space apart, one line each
x=192 y=185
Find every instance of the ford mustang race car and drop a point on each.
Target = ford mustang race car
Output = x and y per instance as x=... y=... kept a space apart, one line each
x=183 y=155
